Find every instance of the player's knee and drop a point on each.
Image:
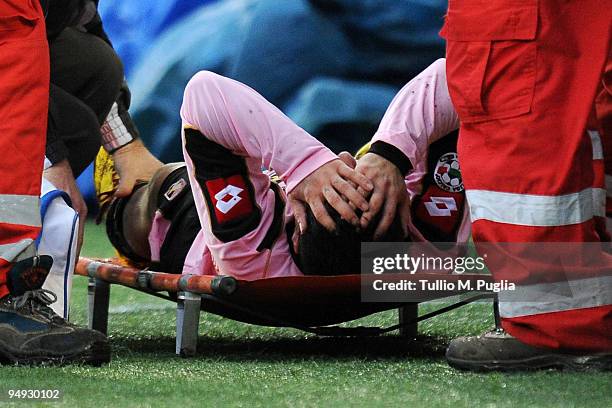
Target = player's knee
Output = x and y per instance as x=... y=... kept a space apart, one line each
x=111 y=72
x=101 y=63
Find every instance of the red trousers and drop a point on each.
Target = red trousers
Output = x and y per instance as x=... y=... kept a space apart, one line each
x=24 y=98
x=523 y=76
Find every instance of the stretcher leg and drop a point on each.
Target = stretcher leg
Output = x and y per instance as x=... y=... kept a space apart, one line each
x=187 y=323
x=99 y=295
x=498 y=325
x=406 y=313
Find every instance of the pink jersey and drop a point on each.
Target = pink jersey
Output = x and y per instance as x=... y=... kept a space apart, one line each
x=238 y=118
x=419 y=115
x=235 y=116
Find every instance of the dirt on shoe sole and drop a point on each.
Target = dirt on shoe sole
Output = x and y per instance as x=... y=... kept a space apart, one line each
x=595 y=362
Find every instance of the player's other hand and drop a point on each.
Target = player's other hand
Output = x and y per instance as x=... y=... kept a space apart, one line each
x=60 y=175
x=389 y=194
x=134 y=162
x=330 y=183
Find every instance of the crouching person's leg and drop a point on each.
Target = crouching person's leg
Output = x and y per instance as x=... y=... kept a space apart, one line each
x=30 y=332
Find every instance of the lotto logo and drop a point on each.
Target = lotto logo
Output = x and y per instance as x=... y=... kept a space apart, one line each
x=228 y=198
x=441 y=206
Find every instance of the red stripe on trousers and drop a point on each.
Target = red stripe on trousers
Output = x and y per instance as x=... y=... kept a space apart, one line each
x=565 y=330
x=599 y=175
x=10 y=231
x=4 y=265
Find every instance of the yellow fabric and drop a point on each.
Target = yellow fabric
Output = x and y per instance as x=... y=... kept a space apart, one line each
x=361 y=152
x=106 y=179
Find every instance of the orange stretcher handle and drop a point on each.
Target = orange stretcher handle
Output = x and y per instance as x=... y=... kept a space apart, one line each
x=110 y=272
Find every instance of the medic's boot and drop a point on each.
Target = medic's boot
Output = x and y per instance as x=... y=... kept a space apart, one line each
x=497 y=350
x=31 y=333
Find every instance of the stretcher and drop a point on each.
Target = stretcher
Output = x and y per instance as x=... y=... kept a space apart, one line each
x=310 y=303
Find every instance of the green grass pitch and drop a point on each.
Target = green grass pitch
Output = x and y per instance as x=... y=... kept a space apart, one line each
x=240 y=365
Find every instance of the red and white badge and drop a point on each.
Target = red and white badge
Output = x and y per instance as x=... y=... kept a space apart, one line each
x=230 y=198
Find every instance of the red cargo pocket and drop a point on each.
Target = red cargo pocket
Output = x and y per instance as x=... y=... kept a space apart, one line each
x=491 y=57
x=15 y=23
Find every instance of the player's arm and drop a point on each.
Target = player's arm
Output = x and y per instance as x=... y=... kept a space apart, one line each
x=236 y=117
x=420 y=114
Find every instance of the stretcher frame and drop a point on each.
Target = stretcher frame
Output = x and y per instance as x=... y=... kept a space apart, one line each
x=192 y=290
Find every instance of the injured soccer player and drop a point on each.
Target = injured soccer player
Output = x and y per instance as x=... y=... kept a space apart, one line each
x=225 y=210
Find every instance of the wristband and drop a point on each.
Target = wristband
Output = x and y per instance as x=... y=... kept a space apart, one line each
x=393 y=154
x=114 y=132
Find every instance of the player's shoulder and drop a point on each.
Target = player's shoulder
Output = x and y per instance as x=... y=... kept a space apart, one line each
x=437 y=67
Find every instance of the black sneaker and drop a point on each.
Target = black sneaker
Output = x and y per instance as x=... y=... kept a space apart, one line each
x=31 y=333
x=497 y=350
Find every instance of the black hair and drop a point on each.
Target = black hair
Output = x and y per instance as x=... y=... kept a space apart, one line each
x=322 y=252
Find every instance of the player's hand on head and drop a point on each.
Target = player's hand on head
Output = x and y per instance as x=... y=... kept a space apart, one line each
x=330 y=183
x=134 y=162
x=389 y=194
x=348 y=159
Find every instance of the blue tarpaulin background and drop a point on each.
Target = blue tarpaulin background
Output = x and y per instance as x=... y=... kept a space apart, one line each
x=332 y=65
